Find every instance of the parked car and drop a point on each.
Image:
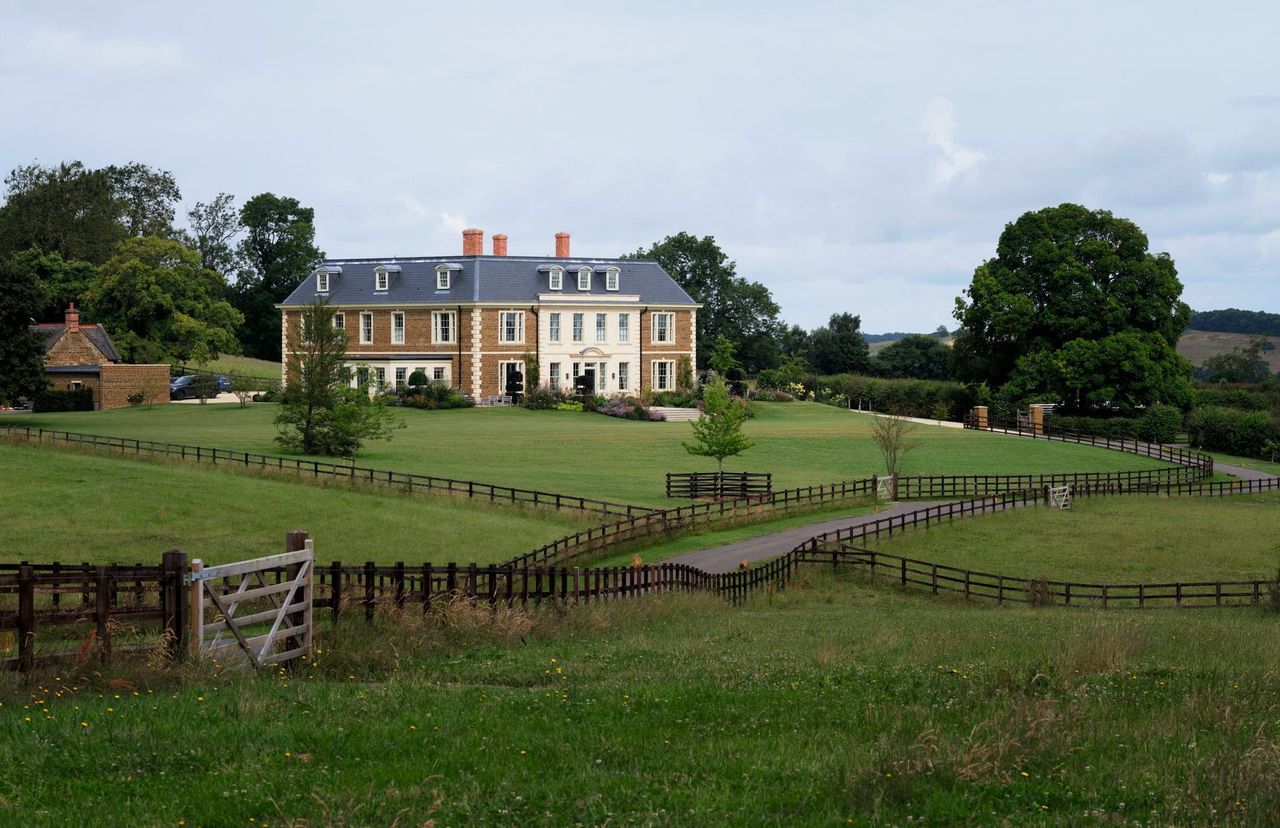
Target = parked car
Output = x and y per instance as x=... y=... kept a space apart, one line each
x=184 y=387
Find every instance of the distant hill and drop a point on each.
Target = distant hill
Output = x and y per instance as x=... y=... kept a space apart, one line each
x=1198 y=346
x=1233 y=320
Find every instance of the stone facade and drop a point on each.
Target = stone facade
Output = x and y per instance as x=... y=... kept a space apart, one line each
x=83 y=356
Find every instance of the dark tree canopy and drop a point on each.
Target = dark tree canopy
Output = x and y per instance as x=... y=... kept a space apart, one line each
x=21 y=352
x=838 y=347
x=146 y=199
x=212 y=228
x=915 y=356
x=742 y=311
x=1239 y=365
x=1068 y=276
x=68 y=209
x=60 y=281
x=277 y=252
x=1234 y=320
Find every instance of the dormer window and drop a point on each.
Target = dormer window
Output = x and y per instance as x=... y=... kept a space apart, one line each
x=381 y=278
x=322 y=281
x=584 y=278
x=442 y=278
x=611 y=278
x=557 y=278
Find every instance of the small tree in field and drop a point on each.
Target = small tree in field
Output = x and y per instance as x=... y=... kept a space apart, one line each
x=892 y=436
x=718 y=432
x=320 y=413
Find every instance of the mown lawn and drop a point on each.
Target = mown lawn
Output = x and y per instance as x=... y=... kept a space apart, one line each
x=597 y=456
x=830 y=703
x=59 y=505
x=1111 y=539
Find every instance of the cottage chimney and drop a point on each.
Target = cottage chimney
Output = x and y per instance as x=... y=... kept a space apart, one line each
x=499 y=244
x=72 y=317
x=472 y=242
x=562 y=245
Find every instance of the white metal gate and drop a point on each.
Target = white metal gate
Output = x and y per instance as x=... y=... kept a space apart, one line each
x=266 y=616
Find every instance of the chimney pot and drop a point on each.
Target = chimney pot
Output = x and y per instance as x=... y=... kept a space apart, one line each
x=72 y=317
x=472 y=242
x=499 y=244
x=562 y=245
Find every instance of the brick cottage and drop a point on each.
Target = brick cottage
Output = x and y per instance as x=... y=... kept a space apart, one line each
x=615 y=324
x=83 y=356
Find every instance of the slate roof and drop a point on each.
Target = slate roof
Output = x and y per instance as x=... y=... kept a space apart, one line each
x=514 y=279
x=96 y=333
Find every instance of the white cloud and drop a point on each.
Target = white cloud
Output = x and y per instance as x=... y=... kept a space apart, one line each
x=940 y=129
x=1218 y=178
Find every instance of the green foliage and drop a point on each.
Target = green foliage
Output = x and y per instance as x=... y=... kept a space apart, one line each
x=910 y=398
x=1245 y=399
x=915 y=356
x=418 y=378
x=1233 y=320
x=722 y=359
x=684 y=374
x=63 y=399
x=1160 y=424
x=1243 y=433
x=1239 y=365
x=146 y=198
x=718 y=432
x=320 y=413
x=61 y=281
x=1119 y=428
x=68 y=209
x=213 y=226
x=838 y=347
x=159 y=305
x=791 y=372
x=1074 y=305
x=742 y=311
x=277 y=252
x=532 y=371
x=21 y=350
x=430 y=396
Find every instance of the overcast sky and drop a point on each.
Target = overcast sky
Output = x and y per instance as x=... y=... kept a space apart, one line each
x=851 y=156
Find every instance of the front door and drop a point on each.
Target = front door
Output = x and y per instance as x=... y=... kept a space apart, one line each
x=590 y=374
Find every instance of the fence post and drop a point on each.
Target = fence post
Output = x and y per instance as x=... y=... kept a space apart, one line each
x=196 y=607
x=427 y=577
x=102 y=611
x=399 y=580
x=335 y=589
x=173 y=565
x=370 y=573
x=26 y=617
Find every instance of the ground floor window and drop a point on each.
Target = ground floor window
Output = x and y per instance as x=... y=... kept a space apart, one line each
x=662 y=375
x=624 y=376
x=553 y=375
x=400 y=377
x=437 y=373
x=380 y=374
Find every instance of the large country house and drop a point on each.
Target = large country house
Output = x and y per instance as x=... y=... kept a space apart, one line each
x=615 y=325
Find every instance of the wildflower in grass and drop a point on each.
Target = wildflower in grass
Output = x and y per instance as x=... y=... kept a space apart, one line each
x=84 y=724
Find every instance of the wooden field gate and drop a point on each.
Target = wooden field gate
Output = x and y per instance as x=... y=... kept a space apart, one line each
x=259 y=608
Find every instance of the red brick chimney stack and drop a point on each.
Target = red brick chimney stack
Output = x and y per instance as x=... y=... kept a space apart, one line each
x=72 y=318
x=499 y=244
x=472 y=242
x=562 y=245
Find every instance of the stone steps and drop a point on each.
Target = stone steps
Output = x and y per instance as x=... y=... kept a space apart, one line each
x=678 y=415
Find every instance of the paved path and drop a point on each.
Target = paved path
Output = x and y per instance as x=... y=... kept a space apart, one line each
x=727 y=558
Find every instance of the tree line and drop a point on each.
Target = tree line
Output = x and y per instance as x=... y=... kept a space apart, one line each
x=1234 y=320
x=108 y=239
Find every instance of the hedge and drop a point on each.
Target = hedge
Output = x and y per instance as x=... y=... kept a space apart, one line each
x=71 y=399
x=1244 y=398
x=932 y=399
x=1243 y=433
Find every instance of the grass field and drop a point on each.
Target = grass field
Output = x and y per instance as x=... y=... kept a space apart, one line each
x=597 y=456
x=261 y=368
x=74 y=507
x=832 y=703
x=1198 y=346
x=1112 y=539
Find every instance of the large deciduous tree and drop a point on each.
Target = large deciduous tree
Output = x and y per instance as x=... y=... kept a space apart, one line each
x=159 y=305
x=915 y=356
x=60 y=281
x=740 y=310
x=1074 y=307
x=277 y=252
x=21 y=351
x=145 y=197
x=839 y=347
x=211 y=230
x=68 y=209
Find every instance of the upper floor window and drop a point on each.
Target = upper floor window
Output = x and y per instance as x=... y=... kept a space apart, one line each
x=624 y=327
x=340 y=321
x=584 y=278
x=664 y=327
x=511 y=326
x=601 y=325
x=381 y=278
x=397 y=328
x=442 y=278
x=577 y=327
x=553 y=327
x=611 y=278
x=442 y=327
x=557 y=278
x=366 y=328
x=322 y=281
